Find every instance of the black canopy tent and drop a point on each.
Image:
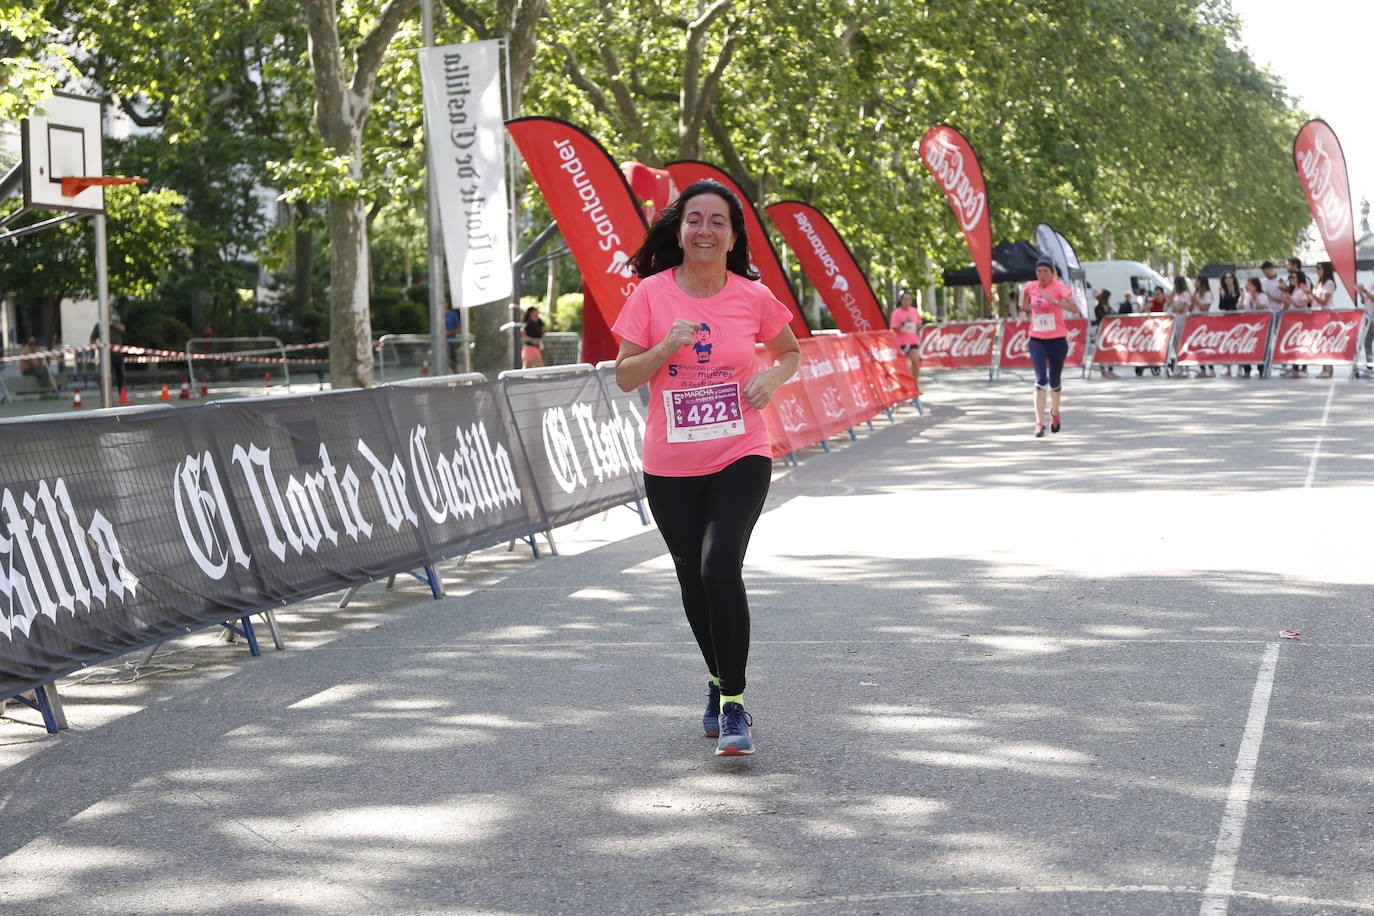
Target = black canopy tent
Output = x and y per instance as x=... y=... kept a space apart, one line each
x=1012 y=262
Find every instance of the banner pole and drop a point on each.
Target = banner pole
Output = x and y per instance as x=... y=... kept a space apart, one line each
x=102 y=295
x=512 y=152
x=438 y=339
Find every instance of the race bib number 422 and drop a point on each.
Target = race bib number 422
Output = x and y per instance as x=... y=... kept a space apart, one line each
x=698 y=414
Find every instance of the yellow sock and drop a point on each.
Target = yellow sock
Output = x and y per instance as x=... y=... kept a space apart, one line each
x=735 y=699
x=716 y=681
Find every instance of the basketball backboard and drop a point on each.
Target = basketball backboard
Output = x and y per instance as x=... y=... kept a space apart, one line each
x=63 y=140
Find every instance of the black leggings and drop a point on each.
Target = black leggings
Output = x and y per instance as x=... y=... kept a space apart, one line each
x=706 y=522
x=1048 y=355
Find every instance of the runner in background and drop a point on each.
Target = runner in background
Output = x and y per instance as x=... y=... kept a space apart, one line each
x=1048 y=298
x=532 y=350
x=906 y=321
x=690 y=330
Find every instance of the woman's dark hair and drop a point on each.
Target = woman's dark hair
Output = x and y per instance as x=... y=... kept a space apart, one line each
x=1234 y=285
x=1325 y=272
x=662 y=250
x=529 y=312
x=1104 y=296
x=1255 y=284
x=897 y=303
x=1180 y=284
x=1204 y=284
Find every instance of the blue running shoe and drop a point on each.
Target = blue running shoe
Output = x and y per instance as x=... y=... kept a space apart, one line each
x=734 y=732
x=710 y=720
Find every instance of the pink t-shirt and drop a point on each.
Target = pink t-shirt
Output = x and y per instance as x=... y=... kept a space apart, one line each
x=907 y=324
x=1047 y=321
x=699 y=422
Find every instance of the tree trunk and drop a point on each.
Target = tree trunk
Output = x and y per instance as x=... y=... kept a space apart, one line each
x=350 y=337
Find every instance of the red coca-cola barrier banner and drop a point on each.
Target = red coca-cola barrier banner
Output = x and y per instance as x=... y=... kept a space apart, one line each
x=959 y=345
x=1016 y=344
x=1224 y=337
x=827 y=387
x=849 y=364
x=1133 y=340
x=596 y=212
x=959 y=174
x=1318 y=336
x=762 y=257
x=1321 y=169
x=828 y=263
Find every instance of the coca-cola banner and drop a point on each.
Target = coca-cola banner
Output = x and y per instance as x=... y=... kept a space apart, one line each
x=596 y=212
x=1321 y=168
x=828 y=263
x=1224 y=337
x=959 y=345
x=117 y=531
x=1016 y=344
x=790 y=417
x=860 y=401
x=955 y=165
x=826 y=388
x=762 y=257
x=1133 y=340
x=1317 y=336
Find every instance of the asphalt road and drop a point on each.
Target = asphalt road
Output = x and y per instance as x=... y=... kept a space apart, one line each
x=990 y=674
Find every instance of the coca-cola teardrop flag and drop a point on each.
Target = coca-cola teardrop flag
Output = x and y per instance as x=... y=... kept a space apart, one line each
x=762 y=257
x=957 y=171
x=1321 y=168
x=826 y=260
x=595 y=210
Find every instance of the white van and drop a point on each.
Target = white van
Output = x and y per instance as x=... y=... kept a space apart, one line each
x=1121 y=277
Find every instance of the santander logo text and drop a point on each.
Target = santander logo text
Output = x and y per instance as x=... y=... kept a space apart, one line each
x=946 y=163
x=1331 y=206
x=833 y=271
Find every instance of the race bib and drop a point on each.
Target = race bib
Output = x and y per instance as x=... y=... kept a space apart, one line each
x=908 y=327
x=1042 y=321
x=698 y=414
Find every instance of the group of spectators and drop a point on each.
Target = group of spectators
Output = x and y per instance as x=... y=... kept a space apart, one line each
x=1269 y=291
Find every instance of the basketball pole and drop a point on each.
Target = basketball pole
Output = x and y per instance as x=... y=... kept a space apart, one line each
x=102 y=296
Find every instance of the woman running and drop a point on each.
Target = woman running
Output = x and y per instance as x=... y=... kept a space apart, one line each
x=690 y=330
x=906 y=321
x=1048 y=298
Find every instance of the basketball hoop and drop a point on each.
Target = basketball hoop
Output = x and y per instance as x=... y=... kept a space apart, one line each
x=72 y=186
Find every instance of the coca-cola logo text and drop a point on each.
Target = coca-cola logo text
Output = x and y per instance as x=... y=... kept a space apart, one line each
x=1240 y=339
x=1330 y=205
x=1330 y=339
x=957 y=342
x=946 y=163
x=1148 y=336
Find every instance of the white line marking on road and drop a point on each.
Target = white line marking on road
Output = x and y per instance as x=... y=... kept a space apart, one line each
x=1220 y=880
x=1317 y=446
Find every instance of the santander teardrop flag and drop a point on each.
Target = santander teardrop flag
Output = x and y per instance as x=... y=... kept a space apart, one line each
x=957 y=171
x=595 y=210
x=762 y=257
x=1321 y=168
x=826 y=260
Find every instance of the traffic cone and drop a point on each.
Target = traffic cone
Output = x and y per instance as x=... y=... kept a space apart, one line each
x=76 y=399
x=424 y=367
x=166 y=395
x=124 y=397
x=204 y=388
x=267 y=380
x=185 y=389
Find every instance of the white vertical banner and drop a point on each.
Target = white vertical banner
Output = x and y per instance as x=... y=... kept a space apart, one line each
x=467 y=156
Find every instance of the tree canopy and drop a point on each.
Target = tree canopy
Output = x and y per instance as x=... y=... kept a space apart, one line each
x=1141 y=130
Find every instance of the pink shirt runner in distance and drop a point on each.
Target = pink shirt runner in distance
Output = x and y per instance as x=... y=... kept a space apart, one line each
x=741 y=315
x=1042 y=313
x=900 y=318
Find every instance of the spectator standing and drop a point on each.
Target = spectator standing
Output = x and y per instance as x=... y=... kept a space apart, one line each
x=1322 y=294
x=1366 y=295
x=1252 y=299
x=1127 y=305
x=1229 y=293
x=1272 y=287
x=906 y=322
x=1202 y=302
x=1297 y=295
x=1103 y=307
x=453 y=325
x=1180 y=300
